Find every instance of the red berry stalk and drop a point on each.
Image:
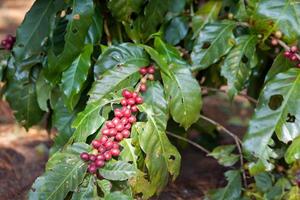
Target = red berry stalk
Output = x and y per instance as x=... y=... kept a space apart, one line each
x=115 y=130
x=8 y=42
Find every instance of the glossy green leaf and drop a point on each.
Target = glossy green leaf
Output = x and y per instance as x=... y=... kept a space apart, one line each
x=122 y=9
x=277 y=111
x=105 y=186
x=176 y=30
x=114 y=80
x=75 y=76
x=233 y=189
x=60 y=178
x=293 y=152
x=77 y=29
x=280 y=64
x=94 y=33
x=35 y=29
x=117 y=196
x=117 y=171
x=239 y=62
x=224 y=155
x=263 y=181
x=128 y=152
x=43 y=92
x=140 y=185
x=169 y=52
x=207 y=13
x=213 y=42
x=284 y=15
x=87 y=190
x=184 y=95
x=125 y=54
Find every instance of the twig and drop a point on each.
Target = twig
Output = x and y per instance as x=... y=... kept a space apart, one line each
x=106 y=30
x=238 y=143
x=189 y=141
x=251 y=99
x=138 y=87
x=286 y=47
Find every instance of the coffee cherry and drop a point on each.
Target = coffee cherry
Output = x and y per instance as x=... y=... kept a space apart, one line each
x=132 y=119
x=108 y=145
x=118 y=113
x=116 y=121
x=287 y=54
x=143 y=87
x=107 y=155
x=112 y=132
x=151 y=69
x=123 y=102
x=119 y=136
x=116 y=145
x=294 y=58
x=101 y=149
x=127 y=126
x=139 y=100
x=84 y=156
x=92 y=157
x=143 y=71
x=127 y=94
x=115 y=152
x=105 y=131
x=103 y=139
x=99 y=163
x=92 y=168
x=134 y=95
x=120 y=127
x=100 y=157
x=127 y=113
x=278 y=34
x=11 y=39
x=124 y=120
x=274 y=42
x=294 y=49
x=134 y=108
x=143 y=80
x=298 y=65
x=151 y=77
x=126 y=133
x=4 y=42
x=8 y=46
x=130 y=101
x=110 y=124
x=96 y=144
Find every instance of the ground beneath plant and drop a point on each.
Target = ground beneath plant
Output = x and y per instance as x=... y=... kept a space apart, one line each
x=23 y=154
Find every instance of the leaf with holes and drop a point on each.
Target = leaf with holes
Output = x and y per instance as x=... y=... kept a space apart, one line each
x=64 y=175
x=293 y=152
x=277 y=111
x=128 y=152
x=213 y=42
x=239 y=62
x=117 y=171
x=77 y=29
x=122 y=55
x=122 y=9
x=87 y=190
x=75 y=76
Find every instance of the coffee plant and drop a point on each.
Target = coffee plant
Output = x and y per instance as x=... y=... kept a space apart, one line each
x=115 y=78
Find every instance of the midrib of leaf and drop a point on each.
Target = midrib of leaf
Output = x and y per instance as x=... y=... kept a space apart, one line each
x=62 y=182
x=209 y=16
x=131 y=152
x=217 y=38
x=38 y=23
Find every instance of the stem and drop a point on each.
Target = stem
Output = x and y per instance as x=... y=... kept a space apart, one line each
x=238 y=143
x=106 y=30
x=251 y=99
x=285 y=46
x=137 y=90
x=189 y=141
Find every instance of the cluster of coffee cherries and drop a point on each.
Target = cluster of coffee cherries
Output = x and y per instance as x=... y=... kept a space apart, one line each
x=115 y=130
x=292 y=55
x=8 y=42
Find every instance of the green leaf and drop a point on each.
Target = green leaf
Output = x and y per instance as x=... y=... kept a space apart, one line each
x=125 y=54
x=284 y=14
x=117 y=171
x=207 y=13
x=43 y=92
x=293 y=152
x=140 y=185
x=213 y=42
x=105 y=186
x=161 y=156
x=114 y=80
x=224 y=155
x=34 y=30
x=117 y=196
x=77 y=29
x=277 y=111
x=176 y=30
x=233 y=189
x=184 y=95
x=280 y=64
x=75 y=76
x=169 y=52
x=122 y=9
x=263 y=181
x=239 y=62
x=23 y=100
x=128 y=152
x=94 y=33
x=64 y=175
x=87 y=190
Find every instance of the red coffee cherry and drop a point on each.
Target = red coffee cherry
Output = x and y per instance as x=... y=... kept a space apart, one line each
x=123 y=102
x=134 y=108
x=143 y=87
x=274 y=42
x=151 y=69
x=101 y=149
x=119 y=136
x=132 y=119
x=4 y=42
x=105 y=131
x=126 y=133
x=109 y=145
x=110 y=124
x=96 y=144
x=127 y=126
x=120 y=127
x=118 y=113
x=112 y=132
x=287 y=54
x=127 y=113
x=139 y=100
x=92 y=157
x=11 y=39
x=134 y=95
x=116 y=121
x=100 y=157
x=294 y=49
x=130 y=101
x=99 y=163
x=127 y=94
x=294 y=58
x=107 y=155
x=115 y=152
x=92 y=168
x=124 y=120
x=84 y=156
x=143 y=71
x=103 y=139
x=116 y=145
